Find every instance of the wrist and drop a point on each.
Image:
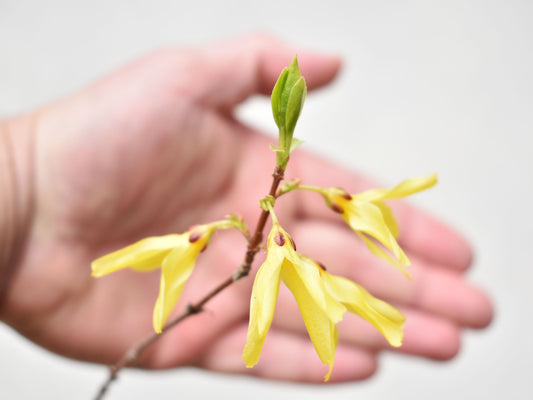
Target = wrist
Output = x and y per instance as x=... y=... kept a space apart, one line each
x=16 y=194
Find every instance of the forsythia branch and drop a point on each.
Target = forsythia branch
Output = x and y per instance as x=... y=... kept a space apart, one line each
x=131 y=356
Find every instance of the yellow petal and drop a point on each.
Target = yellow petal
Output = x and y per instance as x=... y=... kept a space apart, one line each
x=334 y=341
x=145 y=255
x=367 y=218
x=175 y=270
x=320 y=323
x=308 y=274
x=388 y=217
x=383 y=254
x=265 y=291
x=411 y=186
x=262 y=304
x=403 y=189
x=387 y=319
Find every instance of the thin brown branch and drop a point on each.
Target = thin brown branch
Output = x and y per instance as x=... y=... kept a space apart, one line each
x=131 y=356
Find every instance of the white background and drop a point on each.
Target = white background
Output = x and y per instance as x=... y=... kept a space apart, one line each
x=427 y=86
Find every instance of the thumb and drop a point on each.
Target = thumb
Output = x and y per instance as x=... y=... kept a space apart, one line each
x=235 y=69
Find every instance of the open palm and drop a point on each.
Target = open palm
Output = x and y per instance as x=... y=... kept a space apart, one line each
x=154 y=149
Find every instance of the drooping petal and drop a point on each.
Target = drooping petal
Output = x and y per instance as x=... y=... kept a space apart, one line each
x=388 y=217
x=320 y=323
x=387 y=319
x=144 y=255
x=175 y=270
x=308 y=273
x=265 y=291
x=334 y=335
x=367 y=218
x=382 y=253
x=262 y=304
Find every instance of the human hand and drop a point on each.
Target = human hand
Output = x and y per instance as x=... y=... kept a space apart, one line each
x=155 y=148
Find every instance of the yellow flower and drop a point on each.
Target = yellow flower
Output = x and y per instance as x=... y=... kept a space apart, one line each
x=322 y=299
x=175 y=253
x=372 y=219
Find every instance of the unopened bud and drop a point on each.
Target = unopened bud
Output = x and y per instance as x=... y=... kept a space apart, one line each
x=287 y=98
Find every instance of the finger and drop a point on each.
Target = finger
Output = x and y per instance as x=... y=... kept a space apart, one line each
x=443 y=292
x=233 y=70
x=433 y=288
x=288 y=356
x=429 y=336
x=420 y=233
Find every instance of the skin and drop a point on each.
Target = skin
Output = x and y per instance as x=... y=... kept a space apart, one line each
x=155 y=148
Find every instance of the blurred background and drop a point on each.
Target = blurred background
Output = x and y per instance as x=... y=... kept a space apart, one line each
x=427 y=86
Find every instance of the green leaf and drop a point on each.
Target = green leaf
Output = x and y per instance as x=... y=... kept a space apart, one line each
x=279 y=118
x=237 y=222
x=295 y=143
x=288 y=186
x=295 y=104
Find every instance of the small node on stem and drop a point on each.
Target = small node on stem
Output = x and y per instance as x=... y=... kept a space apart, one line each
x=244 y=268
x=194 y=309
x=278 y=173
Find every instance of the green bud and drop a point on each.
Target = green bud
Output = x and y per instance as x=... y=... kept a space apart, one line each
x=287 y=98
x=267 y=203
x=237 y=221
x=288 y=186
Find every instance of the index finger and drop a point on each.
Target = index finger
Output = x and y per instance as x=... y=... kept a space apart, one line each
x=229 y=72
